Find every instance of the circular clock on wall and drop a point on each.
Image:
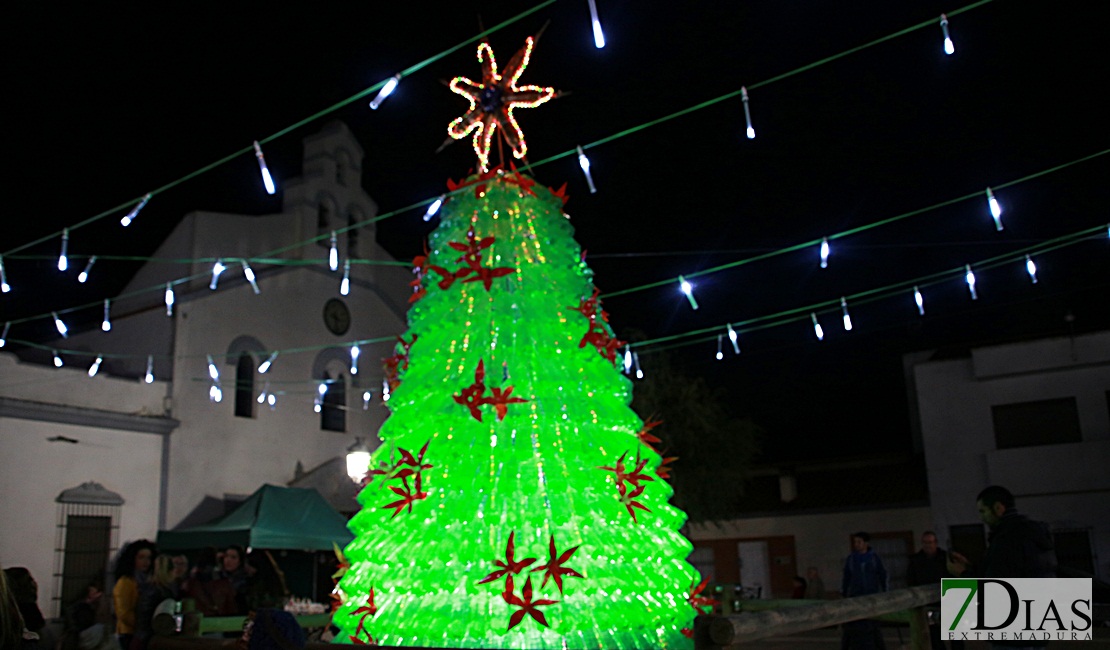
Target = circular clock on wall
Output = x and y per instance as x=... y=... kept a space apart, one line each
x=337 y=317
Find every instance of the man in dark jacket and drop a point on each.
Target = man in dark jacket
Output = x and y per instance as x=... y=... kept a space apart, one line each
x=1017 y=547
x=864 y=574
x=927 y=567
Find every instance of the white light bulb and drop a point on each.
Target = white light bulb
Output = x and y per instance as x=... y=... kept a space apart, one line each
x=271 y=399
x=970 y=278
x=57 y=359
x=215 y=393
x=267 y=363
x=996 y=209
x=149 y=377
x=84 y=275
x=636 y=364
x=817 y=327
x=106 y=324
x=264 y=393
x=95 y=367
x=354 y=359
x=844 y=312
x=720 y=340
x=385 y=390
x=266 y=178
x=59 y=325
x=213 y=371
x=4 y=336
x=333 y=253
x=63 y=261
x=1031 y=268
x=949 y=47
x=217 y=269
x=750 y=132
x=169 y=299
x=366 y=397
x=322 y=388
x=920 y=300
x=434 y=207
x=126 y=220
x=599 y=37
x=584 y=163
x=248 y=272
x=4 y=286
x=345 y=283
x=734 y=339
x=687 y=289
x=316 y=407
x=627 y=359
x=386 y=91
x=824 y=252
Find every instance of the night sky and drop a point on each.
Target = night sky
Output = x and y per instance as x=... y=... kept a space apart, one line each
x=104 y=103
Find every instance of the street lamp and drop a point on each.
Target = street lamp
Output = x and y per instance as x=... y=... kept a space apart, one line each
x=358 y=460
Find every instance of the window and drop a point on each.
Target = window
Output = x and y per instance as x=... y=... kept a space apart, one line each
x=333 y=414
x=1044 y=422
x=244 y=386
x=88 y=534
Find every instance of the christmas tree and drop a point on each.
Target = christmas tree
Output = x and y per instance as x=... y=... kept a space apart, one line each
x=516 y=500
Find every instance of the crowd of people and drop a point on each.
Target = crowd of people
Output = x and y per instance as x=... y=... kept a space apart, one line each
x=143 y=598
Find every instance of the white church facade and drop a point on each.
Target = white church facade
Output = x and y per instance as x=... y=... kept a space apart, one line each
x=103 y=460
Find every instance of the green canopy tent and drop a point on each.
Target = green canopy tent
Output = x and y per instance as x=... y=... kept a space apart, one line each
x=272 y=518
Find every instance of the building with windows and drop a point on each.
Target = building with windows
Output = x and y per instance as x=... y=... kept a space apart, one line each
x=88 y=463
x=1033 y=417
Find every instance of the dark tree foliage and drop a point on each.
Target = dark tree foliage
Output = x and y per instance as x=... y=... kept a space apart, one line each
x=714 y=447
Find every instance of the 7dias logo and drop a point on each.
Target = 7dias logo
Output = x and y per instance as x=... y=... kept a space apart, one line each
x=1018 y=609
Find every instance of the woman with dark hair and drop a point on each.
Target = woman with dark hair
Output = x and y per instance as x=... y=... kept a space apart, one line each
x=233 y=568
x=11 y=622
x=26 y=593
x=132 y=570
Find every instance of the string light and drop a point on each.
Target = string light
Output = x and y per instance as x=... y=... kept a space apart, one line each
x=720 y=340
x=732 y=338
x=215 y=393
x=636 y=365
x=817 y=327
x=844 y=312
x=59 y=325
x=688 y=289
x=266 y=178
x=57 y=359
x=95 y=367
x=920 y=300
x=130 y=216
x=217 y=269
x=84 y=275
x=265 y=391
x=317 y=405
x=271 y=400
x=599 y=37
x=265 y=366
x=627 y=359
x=1031 y=268
x=333 y=254
x=949 y=47
x=4 y=336
x=996 y=209
x=385 y=390
x=354 y=359
x=4 y=286
x=434 y=207
x=322 y=388
x=824 y=252
x=106 y=323
x=169 y=299
x=149 y=378
x=386 y=91
x=970 y=278
x=213 y=371
x=747 y=112
x=63 y=261
x=366 y=397
x=345 y=283
x=248 y=272
x=584 y=163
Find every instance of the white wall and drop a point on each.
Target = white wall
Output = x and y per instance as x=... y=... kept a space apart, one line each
x=1066 y=485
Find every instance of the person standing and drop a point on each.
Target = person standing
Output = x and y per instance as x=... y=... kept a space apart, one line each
x=864 y=574
x=1017 y=547
x=815 y=586
x=927 y=567
x=132 y=570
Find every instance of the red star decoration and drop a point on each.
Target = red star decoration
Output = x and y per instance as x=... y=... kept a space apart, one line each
x=520 y=180
x=687 y=632
x=623 y=476
x=645 y=434
x=408 y=495
x=479 y=182
x=561 y=193
x=499 y=400
x=554 y=567
x=472 y=396
x=526 y=604
x=663 y=471
x=398 y=362
x=632 y=505
x=367 y=610
x=493 y=101
x=509 y=566
x=486 y=276
x=415 y=464
x=698 y=602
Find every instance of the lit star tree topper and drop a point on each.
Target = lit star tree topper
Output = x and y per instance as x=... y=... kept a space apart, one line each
x=493 y=101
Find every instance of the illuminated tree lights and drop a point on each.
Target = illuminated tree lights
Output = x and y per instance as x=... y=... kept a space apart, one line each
x=513 y=502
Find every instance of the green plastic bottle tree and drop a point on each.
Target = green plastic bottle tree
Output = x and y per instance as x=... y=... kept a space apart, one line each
x=516 y=500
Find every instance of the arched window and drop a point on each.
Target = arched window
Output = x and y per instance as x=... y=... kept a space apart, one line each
x=244 y=386
x=342 y=167
x=333 y=414
x=87 y=536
